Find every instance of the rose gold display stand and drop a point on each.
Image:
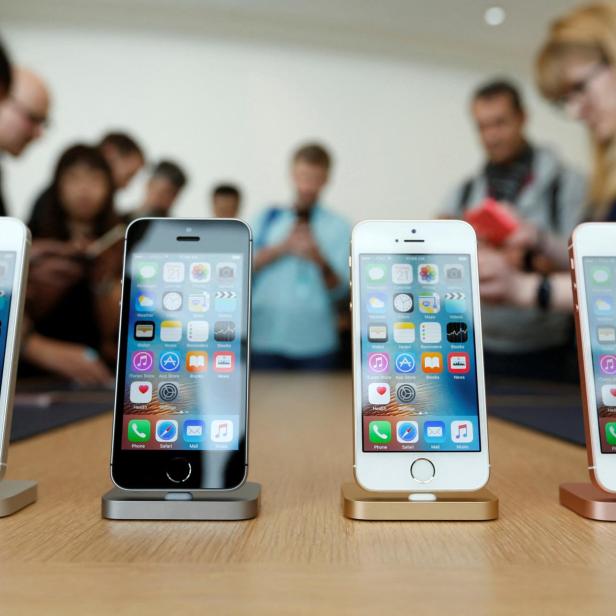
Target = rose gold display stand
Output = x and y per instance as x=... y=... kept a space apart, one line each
x=588 y=501
x=359 y=504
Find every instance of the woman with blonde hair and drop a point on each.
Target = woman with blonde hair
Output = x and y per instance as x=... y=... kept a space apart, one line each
x=575 y=69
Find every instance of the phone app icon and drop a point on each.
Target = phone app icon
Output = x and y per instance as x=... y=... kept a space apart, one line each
x=606 y=334
x=407 y=431
x=404 y=332
x=226 y=273
x=194 y=430
x=199 y=302
x=600 y=274
x=378 y=362
x=169 y=362
x=455 y=302
x=168 y=392
x=403 y=302
x=405 y=363
x=377 y=332
x=607 y=363
x=146 y=271
x=610 y=432
x=225 y=301
x=457 y=331
x=142 y=361
x=138 y=431
x=144 y=331
x=378 y=393
x=427 y=273
x=405 y=393
x=379 y=432
x=432 y=363
x=196 y=361
x=458 y=363
x=171 y=331
x=603 y=305
x=221 y=431
x=172 y=301
x=462 y=431
x=429 y=303
x=434 y=432
x=167 y=431
x=608 y=394
x=224 y=361
x=198 y=331
x=454 y=273
x=401 y=273
x=144 y=302
x=376 y=303
x=200 y=272
x=376 y=272
x=224 y=331
x=430 y=332
x=140 y=392
x=173 y=271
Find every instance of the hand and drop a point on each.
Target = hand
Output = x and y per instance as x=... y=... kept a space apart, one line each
x=301 y=243
x=71 y=361
x=496 y=275
x=54 y=268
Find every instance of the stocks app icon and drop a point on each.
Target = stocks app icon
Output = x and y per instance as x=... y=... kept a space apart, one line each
x=457 y=331
x=224 y=331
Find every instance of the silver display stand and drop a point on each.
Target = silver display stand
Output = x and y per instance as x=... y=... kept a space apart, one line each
x=240 y=504
x=15 y=494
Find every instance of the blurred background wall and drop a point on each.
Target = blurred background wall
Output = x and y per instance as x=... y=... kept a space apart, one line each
x=229 y=88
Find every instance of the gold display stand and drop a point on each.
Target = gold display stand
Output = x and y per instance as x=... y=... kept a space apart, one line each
x=360 y=504
x=587 y=500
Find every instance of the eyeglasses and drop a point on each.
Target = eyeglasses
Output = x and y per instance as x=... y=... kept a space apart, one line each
x=579 y=88
x=34 y=118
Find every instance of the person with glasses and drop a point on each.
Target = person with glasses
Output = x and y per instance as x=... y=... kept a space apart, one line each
x=23 y=113
x=545 y=197
x=575 y=70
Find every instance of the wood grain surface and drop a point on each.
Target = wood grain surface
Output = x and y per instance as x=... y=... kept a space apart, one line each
x=300 y=556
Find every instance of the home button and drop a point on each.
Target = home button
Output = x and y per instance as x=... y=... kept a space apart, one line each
x=179 y=470
x=422 y=470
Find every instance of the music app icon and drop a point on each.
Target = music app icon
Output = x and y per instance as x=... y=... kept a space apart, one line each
x=608 y=364
x=378 y=362
x=143 y=361
x=221 y=431
x=462 y=431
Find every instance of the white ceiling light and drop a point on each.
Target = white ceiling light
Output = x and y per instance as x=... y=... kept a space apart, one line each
x=495 y=16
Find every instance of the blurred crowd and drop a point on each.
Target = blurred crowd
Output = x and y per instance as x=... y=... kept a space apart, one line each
x=300 y=289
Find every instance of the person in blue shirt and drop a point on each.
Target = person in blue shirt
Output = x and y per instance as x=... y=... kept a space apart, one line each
x=301 y=273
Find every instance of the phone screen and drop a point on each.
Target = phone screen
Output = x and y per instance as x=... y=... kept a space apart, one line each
x=600 y=282
x=7 y=273
x=184 y=383
x=419 y=380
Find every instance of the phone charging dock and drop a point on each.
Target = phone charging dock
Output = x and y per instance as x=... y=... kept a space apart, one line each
x=240 y=504
x=360 y=504
x=587 y=500
x=15 y=494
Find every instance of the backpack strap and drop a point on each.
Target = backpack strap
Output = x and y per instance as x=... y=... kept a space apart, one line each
x=465 y=195
x=270 y=216
x=553 y=195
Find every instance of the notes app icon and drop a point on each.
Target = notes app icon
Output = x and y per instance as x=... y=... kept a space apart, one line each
x=171 y=331
x=404 y=332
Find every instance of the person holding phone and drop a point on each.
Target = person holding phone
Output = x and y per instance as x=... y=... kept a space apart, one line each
x=531 y=186
x=301 y=271
x=73 y=294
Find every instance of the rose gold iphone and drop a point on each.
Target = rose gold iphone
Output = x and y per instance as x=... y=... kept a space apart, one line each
x=593 y=273
x=419 y=399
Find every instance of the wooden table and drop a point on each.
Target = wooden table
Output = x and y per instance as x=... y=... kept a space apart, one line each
x=300 y=556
